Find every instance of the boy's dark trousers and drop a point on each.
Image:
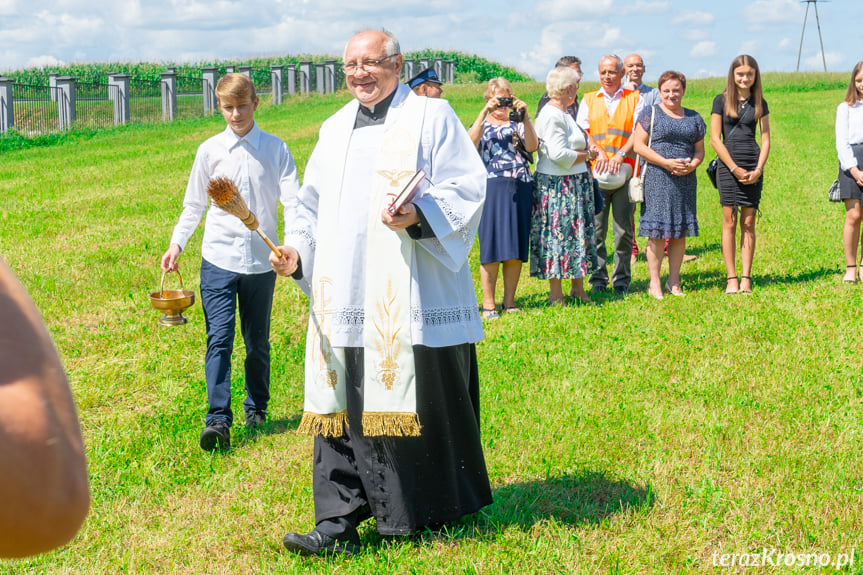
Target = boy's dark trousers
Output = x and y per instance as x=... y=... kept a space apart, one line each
x=221 y=291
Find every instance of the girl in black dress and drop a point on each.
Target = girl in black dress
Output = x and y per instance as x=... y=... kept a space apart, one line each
x=736 y=114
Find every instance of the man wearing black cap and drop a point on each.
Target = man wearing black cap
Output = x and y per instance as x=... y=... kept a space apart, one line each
x=426 y=83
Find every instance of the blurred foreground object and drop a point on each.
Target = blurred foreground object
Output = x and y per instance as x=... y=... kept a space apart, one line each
x=43 y=484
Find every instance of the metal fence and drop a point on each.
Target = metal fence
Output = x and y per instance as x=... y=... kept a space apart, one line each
x=190 y=97
x=35 y=109
x=263 y=80
x=94 y=104
x=145 y=100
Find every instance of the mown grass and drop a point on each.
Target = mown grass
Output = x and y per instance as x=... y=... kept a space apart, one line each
x=633 y=436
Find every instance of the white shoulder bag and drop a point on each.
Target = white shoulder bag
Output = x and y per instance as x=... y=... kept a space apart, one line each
x=635 y=187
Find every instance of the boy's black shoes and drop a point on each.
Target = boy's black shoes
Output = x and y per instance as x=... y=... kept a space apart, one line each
x=216 y=435
x=317 y=543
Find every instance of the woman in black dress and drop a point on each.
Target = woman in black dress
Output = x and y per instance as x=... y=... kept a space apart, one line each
x=736 y=114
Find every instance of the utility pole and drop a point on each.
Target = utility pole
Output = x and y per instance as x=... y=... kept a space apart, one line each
x=814 y=3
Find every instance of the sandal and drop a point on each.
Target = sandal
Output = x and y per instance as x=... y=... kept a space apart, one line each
x=512 y=309
x=728 y=279
x=851 y=281
x=678 y=293
x=746 y=291
x=490 y=314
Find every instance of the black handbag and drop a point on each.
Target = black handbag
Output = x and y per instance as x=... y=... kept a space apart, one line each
x=714 y=163
x=520 y=147
x=711 y=171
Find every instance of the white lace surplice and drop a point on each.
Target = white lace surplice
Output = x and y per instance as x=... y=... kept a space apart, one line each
x=443 y=304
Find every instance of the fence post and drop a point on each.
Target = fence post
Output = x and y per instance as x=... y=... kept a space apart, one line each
x=320 y=80
x=169 y=95
x=292 y=79
x=229 y=69
x=330 y=76
x=52 y=83
x=409 y=70
x=210 y=77
x=305 y=77
x=245 y=71
x=278 y=86
x=7 y=110
x=449 y=66
x=438 y=67
x=120 y=96
x=66 y=101
x=424 y=63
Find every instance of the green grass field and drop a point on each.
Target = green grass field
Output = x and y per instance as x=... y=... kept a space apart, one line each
x=633 y=436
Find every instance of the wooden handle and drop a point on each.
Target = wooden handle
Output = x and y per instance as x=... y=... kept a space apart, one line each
x=270 y=243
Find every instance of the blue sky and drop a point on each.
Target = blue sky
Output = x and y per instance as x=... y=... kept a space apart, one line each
x=697 y=38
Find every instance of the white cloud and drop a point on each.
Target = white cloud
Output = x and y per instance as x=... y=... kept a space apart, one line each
x=530 y=35
x=706 y=73
x=645 y=7
x=750 y=47
x=694 y=35
x=573 y=9
x=574 y=38
x=8 y=7
x=816 y=63
x=765 y=12
x=542 y=56
x=693 y=18
x=42 y=61
x=703 y=50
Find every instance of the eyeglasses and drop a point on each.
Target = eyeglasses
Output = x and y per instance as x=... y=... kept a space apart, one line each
x=367 y=65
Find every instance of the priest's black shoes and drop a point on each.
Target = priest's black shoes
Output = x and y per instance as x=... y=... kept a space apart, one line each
x=317 y=543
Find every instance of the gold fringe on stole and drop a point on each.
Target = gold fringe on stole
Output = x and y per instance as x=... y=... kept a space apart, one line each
x=323 y=424
x=391 y=424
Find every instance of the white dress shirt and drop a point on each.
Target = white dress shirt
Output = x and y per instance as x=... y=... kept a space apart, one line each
x=849 y=130
x=263 y=170
x=611 y=102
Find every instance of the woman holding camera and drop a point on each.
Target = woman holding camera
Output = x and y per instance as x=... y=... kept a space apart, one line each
x=505 y=137
x=563 y=232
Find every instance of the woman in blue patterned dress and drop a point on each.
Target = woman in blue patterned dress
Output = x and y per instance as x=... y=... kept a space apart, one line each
x=503 y=126
x=669 y=209
x=563 y=232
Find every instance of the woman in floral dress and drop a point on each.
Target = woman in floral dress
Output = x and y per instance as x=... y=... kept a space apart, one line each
x=563 y=232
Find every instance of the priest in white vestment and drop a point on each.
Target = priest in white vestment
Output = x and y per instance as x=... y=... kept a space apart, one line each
x=392 y=390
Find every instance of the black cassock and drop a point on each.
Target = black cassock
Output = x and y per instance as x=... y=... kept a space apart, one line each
x=408 y=483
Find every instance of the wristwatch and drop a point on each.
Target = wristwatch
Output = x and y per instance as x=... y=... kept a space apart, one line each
x=621 y=153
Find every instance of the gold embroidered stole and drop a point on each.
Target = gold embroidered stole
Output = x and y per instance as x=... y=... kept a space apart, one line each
x=389 y=386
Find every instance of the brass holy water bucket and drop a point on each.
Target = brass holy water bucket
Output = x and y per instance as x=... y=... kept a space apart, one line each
x=172 y=302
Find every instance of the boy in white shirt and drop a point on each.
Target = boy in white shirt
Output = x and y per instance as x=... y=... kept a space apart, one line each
x=235 y=266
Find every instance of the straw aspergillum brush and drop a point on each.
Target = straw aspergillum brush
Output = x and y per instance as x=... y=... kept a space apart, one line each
x=224 y=192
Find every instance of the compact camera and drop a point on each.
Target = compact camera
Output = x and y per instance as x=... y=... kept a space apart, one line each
x=516 y=115
x=505 y=102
